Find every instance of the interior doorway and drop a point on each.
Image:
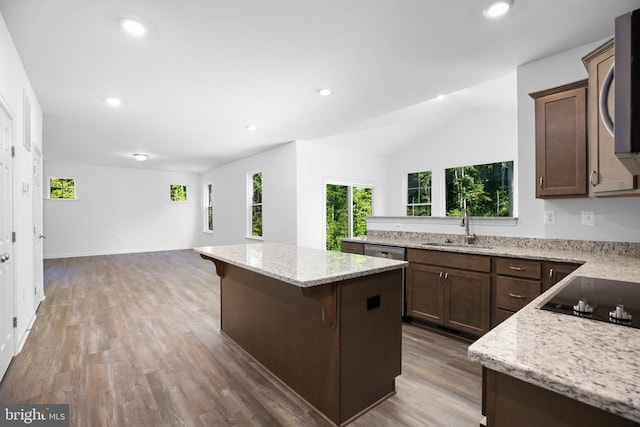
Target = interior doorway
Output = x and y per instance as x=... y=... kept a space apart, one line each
x=38 y=232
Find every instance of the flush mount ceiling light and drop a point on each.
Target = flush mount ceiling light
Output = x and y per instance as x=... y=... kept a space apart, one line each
x=140 y=157
x=440 y=97
x=324 y=92
x=133 y=27
x=113 y=102
x=252 y=128
x=497 y=8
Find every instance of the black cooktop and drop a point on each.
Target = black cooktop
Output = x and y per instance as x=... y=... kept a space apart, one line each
x=610 y=301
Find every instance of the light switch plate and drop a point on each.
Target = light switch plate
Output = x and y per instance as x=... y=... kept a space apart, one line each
x=549 y=217
x=588 y=218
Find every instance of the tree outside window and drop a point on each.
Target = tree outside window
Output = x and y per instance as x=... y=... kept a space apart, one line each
x=209 y=208
x=178 y=193
x=419 y=194
x=62 y=188
x=347 y=208
x=488 y=189
x=256 y=204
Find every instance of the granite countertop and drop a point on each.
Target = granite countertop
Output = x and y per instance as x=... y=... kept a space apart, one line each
x=303 y=267
x=594 y=362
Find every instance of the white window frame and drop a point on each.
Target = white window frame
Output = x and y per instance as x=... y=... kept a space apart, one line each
x=350 y=184
x=406 y=195
x=208 y=203
x=75 y=187
x=249 y=230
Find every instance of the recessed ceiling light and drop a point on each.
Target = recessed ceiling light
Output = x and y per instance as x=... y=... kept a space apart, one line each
x=497 y=8
x=251 y=128
x=440 y=97
x=324 y=91
x=140 y=157
x=133 y=27
x=114 y=102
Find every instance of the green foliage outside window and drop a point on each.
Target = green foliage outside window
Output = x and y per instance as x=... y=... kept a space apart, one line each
x=419 y=194
x=256 y=205
x=338 y=213
x=487 y=188
x=62 y=188
x=209 y=207
x=178 y=193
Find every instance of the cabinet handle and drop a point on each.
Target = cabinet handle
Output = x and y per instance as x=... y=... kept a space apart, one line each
x=511 y=267
x=440 y=277
x=551 y=273
x=518 y=296
x=446 y=277
x=593 y=178
x=541 y=180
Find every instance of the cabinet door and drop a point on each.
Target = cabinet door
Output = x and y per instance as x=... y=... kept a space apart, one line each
x=467 y=297
x=561 y=141
x=606 y=172
x=425 y=292
x=353 y=248
x=555 y=272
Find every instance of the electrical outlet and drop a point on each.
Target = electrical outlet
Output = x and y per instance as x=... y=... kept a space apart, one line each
x=588 y=218
x=397 y=226
x=549 y=217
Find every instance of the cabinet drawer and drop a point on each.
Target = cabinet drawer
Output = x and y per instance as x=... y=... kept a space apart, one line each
x=450 y=259
x=500 y=315
x=353 y=248
x=513 y=294
x=519 y=268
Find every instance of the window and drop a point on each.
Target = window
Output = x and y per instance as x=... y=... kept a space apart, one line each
x=346 y=211
x=178 y=193
x=255 y=205
x=419 y=194
x=62 y=188
x=208 y=208
x=487 y=188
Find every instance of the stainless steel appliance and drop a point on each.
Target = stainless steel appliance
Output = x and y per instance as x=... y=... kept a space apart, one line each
x=605 y=300
x=390 y=252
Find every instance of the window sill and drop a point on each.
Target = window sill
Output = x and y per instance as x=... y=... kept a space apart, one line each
x=63 y=200
x=491 y=221
x=259 y=238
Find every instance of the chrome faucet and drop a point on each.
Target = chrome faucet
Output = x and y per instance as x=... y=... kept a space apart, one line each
x=469 y=238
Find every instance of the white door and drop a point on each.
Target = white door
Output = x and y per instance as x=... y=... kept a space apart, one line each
x=6 y=242
x=38 y=233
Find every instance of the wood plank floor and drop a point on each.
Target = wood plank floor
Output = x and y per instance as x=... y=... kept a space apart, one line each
x=134 y=340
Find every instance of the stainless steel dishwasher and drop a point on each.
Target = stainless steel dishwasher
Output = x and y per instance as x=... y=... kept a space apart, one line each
x=391 y=252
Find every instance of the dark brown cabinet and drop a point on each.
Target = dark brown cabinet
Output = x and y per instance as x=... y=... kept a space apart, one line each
x=517 y=282
x=561 y=141
x=607 y=175
x=449 y=289
x=353 y=248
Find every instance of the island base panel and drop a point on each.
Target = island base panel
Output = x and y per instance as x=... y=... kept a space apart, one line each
x=340 y=350
x=513 y=402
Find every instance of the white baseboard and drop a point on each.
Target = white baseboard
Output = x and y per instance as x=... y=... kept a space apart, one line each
x=23 y=340
x=121 y=252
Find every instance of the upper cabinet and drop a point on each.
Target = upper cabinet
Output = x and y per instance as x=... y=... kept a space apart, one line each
x=561 y=141
x=607 y=175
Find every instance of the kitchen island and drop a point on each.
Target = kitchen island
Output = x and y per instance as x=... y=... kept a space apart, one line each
x=327 y=324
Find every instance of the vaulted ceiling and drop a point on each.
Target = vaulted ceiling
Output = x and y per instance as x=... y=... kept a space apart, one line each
x=207 y=69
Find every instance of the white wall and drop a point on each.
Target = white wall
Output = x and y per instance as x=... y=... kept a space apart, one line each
x=230 y=203
x=616 y=219
x=13 y=79
x=319 y=164
x=118 y=210
x=477 y=137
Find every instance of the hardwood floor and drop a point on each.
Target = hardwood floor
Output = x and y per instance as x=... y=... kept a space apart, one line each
x=135 y=340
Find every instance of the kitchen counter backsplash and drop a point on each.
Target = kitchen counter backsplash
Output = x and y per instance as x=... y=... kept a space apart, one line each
x=590 y=246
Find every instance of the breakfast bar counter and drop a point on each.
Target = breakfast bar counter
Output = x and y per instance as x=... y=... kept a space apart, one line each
x=327 y=324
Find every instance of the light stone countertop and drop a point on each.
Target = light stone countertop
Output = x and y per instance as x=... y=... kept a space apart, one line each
x=593 y=362
x=303 y=267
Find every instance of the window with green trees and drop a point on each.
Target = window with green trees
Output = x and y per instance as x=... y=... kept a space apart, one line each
x=419 y=194
x=347 y=208
x=256 y=204
x=488 y=189
x=62 y=188
x=178 y=193
x=208 y=207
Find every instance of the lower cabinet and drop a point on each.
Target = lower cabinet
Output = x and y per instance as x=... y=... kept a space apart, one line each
x=457 y=298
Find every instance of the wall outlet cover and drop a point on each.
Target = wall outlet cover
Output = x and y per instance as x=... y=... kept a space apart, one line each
x=549 y=217
x=588 y=218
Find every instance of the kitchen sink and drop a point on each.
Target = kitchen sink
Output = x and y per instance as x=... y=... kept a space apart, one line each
x=455 y=245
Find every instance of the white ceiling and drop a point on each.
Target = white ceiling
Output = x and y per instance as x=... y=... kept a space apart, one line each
x=208 y=68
